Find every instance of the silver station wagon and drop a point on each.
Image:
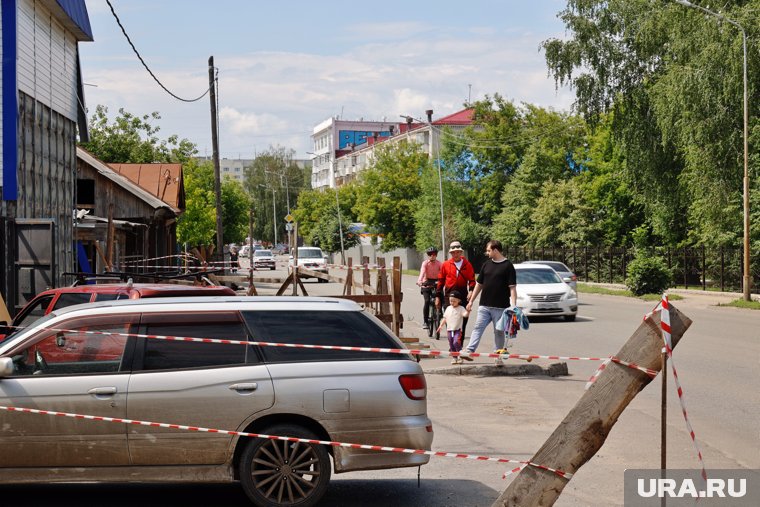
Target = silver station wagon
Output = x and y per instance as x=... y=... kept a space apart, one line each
x=101 y=359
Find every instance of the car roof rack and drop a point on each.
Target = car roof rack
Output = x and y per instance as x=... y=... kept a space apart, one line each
x=152 y=277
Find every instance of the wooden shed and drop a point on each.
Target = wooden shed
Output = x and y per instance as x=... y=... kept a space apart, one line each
x=124 y=222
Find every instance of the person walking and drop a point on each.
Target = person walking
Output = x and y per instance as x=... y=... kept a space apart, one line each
x=453 y=318
x=457 y=274
x=429 y=272
x=497 y=282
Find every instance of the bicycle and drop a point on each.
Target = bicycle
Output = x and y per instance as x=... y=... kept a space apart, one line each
x=434 y=314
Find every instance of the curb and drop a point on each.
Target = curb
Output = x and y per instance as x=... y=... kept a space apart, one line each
x=508 y=370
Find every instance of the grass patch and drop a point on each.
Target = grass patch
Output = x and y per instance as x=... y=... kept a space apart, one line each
x=594 y=289
x=740 y=303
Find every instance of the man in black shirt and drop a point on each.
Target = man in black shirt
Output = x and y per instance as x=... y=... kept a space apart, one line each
x=498 y=283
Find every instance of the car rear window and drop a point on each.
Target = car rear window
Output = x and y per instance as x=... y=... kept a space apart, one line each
x=71 y=299
x=353 y=329
x=164 y=354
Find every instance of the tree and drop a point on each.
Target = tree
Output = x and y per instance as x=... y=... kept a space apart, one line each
x=387 y=192
x=274 y=177
x=673 y=79
x=235 y=208
x=134 y=139
x=317 y=217
x=197 y=225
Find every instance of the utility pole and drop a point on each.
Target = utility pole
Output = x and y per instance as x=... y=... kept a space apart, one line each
x=215 y=156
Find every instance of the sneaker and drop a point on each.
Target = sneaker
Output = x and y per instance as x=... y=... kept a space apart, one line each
x=465 y=354
x=498 y=361
x=455 y=361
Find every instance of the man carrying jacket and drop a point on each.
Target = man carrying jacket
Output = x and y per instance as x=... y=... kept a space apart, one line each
x=456 y=274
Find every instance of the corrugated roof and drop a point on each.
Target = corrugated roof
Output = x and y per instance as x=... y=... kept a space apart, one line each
x=108 y=172
x=162 y=180
x=73 y=15
x=463 y=117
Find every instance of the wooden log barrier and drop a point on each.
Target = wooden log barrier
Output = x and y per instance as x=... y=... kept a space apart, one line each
x=585 y=428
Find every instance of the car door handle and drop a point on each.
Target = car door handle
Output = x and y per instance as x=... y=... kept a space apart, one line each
x=102 y=391
x=250 y=386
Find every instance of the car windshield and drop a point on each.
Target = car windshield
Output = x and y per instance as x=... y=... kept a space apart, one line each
x=537 y=276
x=309 y=253
x=557 y=266
x=262 y=253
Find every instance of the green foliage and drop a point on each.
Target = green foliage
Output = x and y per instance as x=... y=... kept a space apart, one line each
x=235 y=211
x=274 y=183
x=673 y=77
x=387 y=193
x=317 y=215
x=648 y=274
x=197 y=225
x=134 y=139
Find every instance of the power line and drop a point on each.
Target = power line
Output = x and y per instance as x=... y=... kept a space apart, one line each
x=123 y=30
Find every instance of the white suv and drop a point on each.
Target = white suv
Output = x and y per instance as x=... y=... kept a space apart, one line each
x=311 y=257
x=102 y=360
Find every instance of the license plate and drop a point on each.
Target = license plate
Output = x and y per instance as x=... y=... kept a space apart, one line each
x=546 y=306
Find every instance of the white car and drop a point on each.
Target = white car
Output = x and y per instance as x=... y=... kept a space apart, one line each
x=541 y=292
x=311 y=257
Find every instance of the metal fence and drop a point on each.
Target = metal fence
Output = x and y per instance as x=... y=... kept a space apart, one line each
x=693 y=268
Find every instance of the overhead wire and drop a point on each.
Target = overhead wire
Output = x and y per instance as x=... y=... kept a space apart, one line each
x=124 y=31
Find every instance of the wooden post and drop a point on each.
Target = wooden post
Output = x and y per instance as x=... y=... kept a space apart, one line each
x=585 y=428
x=381 y=286
x=396 y=295
x=348 y=287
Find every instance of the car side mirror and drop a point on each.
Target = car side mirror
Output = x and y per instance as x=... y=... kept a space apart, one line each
x=7 y=368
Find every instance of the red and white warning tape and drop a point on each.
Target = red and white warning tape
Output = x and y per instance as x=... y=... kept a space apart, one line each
x=652 y=373
x=409 y=352
x=666 y=330
x=285 y=438
x=179 y=256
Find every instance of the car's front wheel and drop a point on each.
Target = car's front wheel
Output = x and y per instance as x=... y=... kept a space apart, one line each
x=276 y=473
x=570 y=318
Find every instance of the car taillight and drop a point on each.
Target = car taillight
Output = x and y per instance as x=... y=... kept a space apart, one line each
x=414 y=386
x=574 y=278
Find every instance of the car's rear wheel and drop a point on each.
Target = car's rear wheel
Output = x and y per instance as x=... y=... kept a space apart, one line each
x=277 y=473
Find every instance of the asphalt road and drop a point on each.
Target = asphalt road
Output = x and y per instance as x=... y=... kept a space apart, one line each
x=717 y=362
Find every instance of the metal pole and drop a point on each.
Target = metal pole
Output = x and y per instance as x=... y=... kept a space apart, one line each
x=747 y=278
x=274 y=217
x=440 y=184
x=747 y=273
x=663 y=416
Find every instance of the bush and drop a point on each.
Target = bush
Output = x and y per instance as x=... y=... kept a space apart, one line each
x=648 y=274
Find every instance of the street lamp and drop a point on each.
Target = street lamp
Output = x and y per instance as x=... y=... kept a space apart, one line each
x=440 y=177
x=747 y=278
x=340 y=220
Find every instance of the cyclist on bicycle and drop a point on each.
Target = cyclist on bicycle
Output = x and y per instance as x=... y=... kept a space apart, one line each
x=431 y=267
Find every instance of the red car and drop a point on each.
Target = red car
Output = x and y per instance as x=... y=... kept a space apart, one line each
x=53 y=299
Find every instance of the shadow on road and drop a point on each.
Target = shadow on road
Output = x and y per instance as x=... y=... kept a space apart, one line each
x=341 y=493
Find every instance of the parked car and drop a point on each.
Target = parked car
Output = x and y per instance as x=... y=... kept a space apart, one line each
x=119 y=371
x=541 y=292
x=263 y=259
x=562 y=270
x=245 y=250
x=311 y=257
x=55 y=299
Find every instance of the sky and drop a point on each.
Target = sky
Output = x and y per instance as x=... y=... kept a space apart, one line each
x=284 y=67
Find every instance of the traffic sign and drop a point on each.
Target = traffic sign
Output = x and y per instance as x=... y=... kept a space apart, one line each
x=289 y=218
